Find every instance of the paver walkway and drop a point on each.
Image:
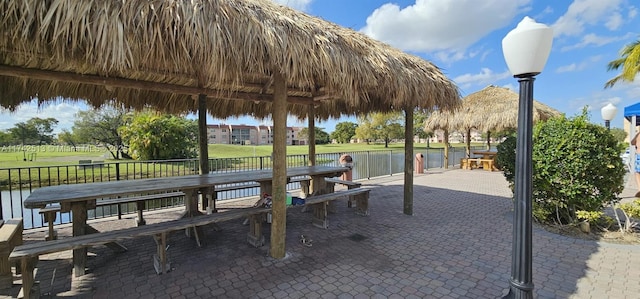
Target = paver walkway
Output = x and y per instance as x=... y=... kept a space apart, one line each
x=456 y=245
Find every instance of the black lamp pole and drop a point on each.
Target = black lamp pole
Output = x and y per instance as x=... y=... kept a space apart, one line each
x=607 y=124
x=526 y=49
x=521 y=282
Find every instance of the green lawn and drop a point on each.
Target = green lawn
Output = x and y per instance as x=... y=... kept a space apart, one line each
x=36 y=169
x=234 y=151
x=47 y=157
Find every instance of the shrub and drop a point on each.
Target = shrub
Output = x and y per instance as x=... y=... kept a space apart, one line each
x=576 y=167
x=506 y=158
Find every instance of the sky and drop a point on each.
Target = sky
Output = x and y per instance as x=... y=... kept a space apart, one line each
x=463 y=38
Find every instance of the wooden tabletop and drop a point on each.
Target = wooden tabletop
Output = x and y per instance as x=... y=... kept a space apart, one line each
x=484 y=153
x=81 y=192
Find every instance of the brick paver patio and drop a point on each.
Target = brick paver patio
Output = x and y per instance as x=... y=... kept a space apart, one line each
x=456 y=245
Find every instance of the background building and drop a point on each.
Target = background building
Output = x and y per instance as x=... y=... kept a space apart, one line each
x=250 y=135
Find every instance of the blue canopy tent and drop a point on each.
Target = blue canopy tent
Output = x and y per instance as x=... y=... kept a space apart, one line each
x=631 y=112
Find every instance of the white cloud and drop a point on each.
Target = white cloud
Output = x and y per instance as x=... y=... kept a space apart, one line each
x=567 y=68
x=295 y=4
x=613 y=100
x=574 y=67
x=485 y=77
x=64 y=112
x=586 y=12
x=444 y=26
x=512 y=87
x=614 y=22
x=631 y=89
x=597 y=41
x=632 y=12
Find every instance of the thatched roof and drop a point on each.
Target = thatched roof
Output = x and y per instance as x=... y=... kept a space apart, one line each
x=162 y=53
x=491 y=109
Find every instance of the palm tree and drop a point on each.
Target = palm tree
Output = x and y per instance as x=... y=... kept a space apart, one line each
x=629 y=61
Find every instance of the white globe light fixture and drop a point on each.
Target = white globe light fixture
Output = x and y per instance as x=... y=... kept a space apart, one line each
x=526 y=49
x=608 y=113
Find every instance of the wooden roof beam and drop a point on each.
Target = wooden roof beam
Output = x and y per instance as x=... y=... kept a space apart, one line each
x=108 y=82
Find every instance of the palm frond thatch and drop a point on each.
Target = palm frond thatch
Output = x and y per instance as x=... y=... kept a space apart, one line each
x=491 y=109
x=226 y=49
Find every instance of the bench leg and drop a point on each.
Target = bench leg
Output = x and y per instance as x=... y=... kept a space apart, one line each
x=160 y=260
x=6 y=276
x=29 y=287
x=255 y=237
x=320 y=215
x=362 y=204
x=50 y=218
x=304 y=187
x=140 y=206
x=351 y=198
x=209 y=200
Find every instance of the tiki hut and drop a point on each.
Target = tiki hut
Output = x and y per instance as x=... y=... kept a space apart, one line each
x=221 y=57
x=441 y=120
x=491 y=109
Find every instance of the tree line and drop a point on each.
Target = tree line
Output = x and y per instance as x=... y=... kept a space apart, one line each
x=145 y=135
x=150 y=135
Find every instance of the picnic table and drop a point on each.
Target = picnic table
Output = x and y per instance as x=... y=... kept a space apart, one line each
x=487 y=160
x=78 y=198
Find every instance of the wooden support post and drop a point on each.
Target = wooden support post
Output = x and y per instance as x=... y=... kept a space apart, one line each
x=408 y=162
x=312 y=135
x=279 y=208
x=79 y=215
x=203 y=143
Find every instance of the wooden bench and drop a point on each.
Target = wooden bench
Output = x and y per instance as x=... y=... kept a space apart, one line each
x=350 y=185
x=487 y=164
x=82 y=164
x=319 y=204
x=49 y=212
x=28 y=254
x=10 y=237
x=469 y=163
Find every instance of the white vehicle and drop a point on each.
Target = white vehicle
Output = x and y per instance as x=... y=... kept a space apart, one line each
x=626 y=159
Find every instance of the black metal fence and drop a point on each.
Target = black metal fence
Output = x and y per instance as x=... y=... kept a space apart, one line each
x=17 y=183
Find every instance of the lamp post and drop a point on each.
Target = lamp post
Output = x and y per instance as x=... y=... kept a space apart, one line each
x=608 y=113
x=526 y=49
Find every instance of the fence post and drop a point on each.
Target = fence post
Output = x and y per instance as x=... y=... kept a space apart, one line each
x=368 y=167
x=426 y=159
x=391 y=162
